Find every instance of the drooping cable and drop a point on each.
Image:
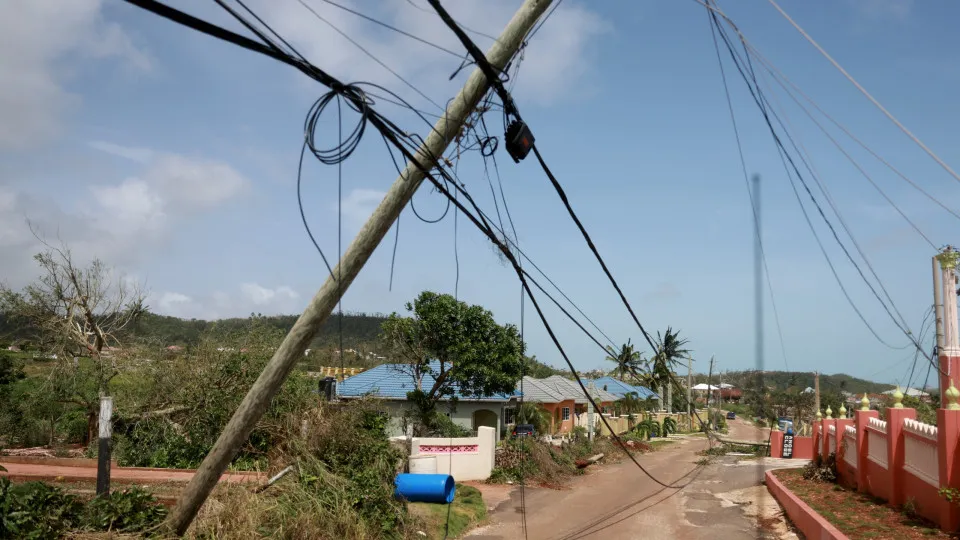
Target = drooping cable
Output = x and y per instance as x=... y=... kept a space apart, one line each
x=787 y=158
x=369 y=54
x=869 y=96
x=753 y=203
x=392 y=133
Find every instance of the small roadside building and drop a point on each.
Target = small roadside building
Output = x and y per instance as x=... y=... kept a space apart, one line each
x=392 y=382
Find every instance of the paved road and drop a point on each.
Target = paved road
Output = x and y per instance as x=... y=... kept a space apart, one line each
x=720 y=500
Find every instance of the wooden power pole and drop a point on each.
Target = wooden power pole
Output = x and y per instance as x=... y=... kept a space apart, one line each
x=816 y=393
x=709 y=392
x=257 y=400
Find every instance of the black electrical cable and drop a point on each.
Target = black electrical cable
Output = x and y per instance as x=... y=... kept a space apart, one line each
x=760 y=103
x=392 y=133
x=765 y=107
x=753 y=203
x=479 y=58
x=510 y=109
x=391 y=27
x=370 y=55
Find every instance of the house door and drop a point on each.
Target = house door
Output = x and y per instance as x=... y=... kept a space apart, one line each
x=484 y=417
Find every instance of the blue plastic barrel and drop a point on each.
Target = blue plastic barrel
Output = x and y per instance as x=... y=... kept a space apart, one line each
x=430 y=488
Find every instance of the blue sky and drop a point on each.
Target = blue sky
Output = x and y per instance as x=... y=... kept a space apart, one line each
x=173 y=157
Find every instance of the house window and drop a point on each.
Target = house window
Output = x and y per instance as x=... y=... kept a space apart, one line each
x=566 y=413
x=508 y=416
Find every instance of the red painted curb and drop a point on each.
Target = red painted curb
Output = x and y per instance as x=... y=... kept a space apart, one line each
x=810 y=523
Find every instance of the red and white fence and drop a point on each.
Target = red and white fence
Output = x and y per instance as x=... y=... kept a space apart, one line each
x=900 y=460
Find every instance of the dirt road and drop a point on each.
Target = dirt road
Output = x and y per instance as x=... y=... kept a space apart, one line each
x=719 y=500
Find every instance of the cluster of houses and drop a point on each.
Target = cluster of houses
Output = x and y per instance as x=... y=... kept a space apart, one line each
x=561 y=398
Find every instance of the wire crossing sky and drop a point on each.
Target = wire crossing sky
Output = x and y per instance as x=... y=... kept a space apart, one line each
x=196 y=192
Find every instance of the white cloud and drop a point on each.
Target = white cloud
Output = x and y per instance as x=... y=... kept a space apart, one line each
x=170 y=185
x=141 y=155
x=251 y=297
x=359 y=204
x=119 y=221
x=554 y=60
x=194 y=182
x=172 y=303
x=39 y=38
x=129 y=206
x=883 y=9
x=261 y=296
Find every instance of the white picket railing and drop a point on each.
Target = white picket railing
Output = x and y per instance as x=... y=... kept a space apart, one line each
x=877 y=442
x=921 y=455
x=850 y=446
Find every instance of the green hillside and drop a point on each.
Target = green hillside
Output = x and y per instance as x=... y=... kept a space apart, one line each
x=359 y=329
x=784 y=380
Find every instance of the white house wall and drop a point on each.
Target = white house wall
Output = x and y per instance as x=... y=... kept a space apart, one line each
x=461 y=416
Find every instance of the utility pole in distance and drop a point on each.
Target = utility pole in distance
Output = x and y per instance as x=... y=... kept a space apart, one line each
x=257 y=400
x=816 y=392
x=709 y=392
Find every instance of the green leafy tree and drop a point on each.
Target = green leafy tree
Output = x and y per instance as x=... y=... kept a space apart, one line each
x=629 y=361
x=459 y=345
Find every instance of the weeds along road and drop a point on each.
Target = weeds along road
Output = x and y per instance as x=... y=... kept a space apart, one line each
x=721 y=500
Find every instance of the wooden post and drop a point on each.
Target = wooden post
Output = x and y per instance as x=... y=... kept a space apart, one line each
x=103 y=449
x=255 y=403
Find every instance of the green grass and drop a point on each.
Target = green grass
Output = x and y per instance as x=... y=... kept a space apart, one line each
x=657 y=444
x=467 y=510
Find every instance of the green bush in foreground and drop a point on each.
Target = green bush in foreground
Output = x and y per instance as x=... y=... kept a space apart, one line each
x=37 y=510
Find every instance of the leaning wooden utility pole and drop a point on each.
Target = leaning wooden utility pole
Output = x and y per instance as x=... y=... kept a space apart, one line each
x=295 y=343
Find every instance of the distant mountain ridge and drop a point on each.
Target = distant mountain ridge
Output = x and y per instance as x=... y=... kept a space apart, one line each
x=800 y=380
x=359 y=329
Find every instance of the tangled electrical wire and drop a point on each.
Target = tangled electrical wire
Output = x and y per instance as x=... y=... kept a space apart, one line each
x=417 y=155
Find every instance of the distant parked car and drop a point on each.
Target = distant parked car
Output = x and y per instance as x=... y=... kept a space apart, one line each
x=524 y=430
x=731 y=415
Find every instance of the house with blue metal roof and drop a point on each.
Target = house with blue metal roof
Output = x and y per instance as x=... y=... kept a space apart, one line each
x=392 y=382
x=621 y=389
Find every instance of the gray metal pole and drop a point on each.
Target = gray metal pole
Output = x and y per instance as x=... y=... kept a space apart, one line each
x=255 y=403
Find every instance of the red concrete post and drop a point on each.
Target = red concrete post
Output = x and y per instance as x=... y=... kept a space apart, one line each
x=895 y=418
x=861 y=419
x=776 y=444
x=948 y=433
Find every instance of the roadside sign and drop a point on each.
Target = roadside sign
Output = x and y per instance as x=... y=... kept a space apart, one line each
x=788 y=446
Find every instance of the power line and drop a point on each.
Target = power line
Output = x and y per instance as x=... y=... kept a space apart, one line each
x=467 y=28
x=779 y=77
x=390 y=131
x=753 y=203
x=865 y=93
x=394 y=28
x=510 y=109
x=757 y=96
x=857 y=166
x=369 y=54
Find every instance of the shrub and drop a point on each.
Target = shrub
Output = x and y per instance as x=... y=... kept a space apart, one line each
x=669 y=426
x=35 y=510
x=821 y=470
x=130 y=510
